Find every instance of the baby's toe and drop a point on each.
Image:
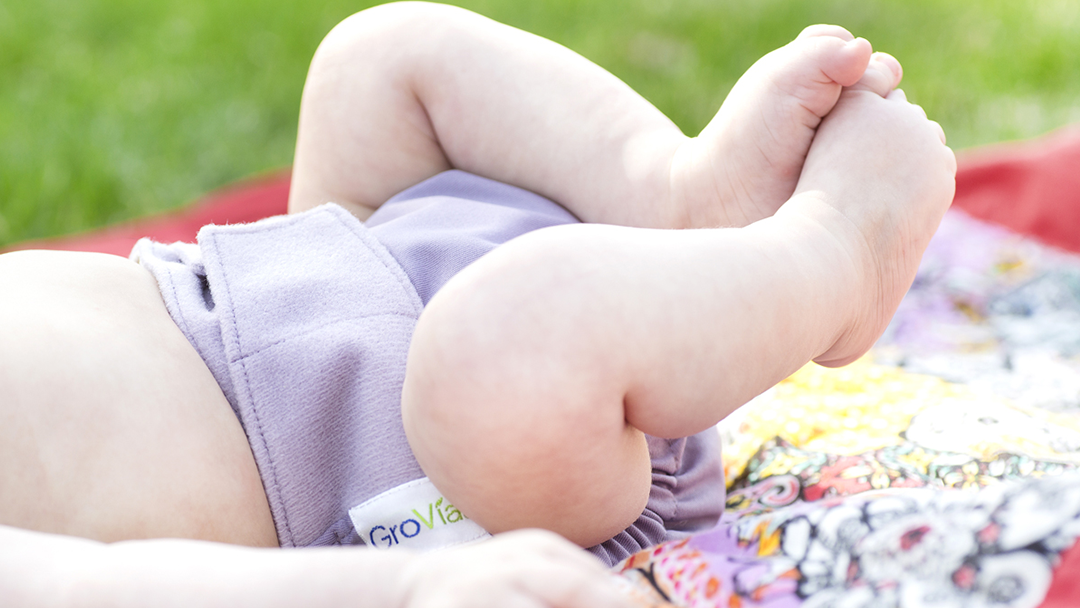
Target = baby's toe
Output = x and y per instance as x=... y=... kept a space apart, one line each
x=940 y=131
x=882 y=75
x=804 y=61
x=826 y=30
x=897 y=94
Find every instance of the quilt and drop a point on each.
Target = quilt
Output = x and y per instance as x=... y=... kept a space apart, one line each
x=941 y=470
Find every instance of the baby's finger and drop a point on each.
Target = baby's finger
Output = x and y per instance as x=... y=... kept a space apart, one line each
x=572 y=588
x=574 y=578
x=519 y=601
x=552 y=545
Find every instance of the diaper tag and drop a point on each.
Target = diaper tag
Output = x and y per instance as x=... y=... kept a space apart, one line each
x=414 y=515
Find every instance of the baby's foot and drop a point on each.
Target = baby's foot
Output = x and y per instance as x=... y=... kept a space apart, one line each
x=878 y=178
x=747 y=161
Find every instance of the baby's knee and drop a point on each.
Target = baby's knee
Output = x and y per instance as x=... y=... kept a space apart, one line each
x=510 y=406
x=514 y=441
x=505 y=330
x=390 y=31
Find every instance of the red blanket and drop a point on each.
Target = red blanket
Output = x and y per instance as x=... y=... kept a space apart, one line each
x=244 y=202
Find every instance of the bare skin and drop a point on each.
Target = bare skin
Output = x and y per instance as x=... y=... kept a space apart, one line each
x=631 y=166
x=543 y=118
x=112 y=428
x=565 y=337
x=549 y=358
x=527 y=568
x=750 y=156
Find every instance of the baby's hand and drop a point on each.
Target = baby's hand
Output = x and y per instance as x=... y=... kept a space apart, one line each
x=525 y=568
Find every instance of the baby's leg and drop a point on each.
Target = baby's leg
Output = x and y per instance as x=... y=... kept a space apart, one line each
x=400 y=92
x=751 y=154
x=534 y=371
x=403 y=91
x=111 y=426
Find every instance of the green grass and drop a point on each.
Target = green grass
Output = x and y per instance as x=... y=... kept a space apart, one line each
x=111 y=109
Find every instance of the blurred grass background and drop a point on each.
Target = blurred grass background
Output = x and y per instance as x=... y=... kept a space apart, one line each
x=111 y=109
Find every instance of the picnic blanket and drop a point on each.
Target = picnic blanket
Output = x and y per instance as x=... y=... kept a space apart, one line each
x=940 y=470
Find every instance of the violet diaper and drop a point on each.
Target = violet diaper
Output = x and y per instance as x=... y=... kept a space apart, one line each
x=305 y=322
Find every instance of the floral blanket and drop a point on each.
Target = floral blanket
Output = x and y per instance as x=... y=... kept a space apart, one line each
x=939 y=471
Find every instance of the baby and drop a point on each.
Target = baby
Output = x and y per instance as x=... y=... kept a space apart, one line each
x=546 y=384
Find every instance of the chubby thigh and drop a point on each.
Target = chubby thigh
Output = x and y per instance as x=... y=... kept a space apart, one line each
x=111 y=425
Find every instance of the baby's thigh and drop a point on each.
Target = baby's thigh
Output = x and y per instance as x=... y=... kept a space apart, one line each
x=111 y=426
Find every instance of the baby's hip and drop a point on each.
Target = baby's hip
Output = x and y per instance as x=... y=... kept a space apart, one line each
x=306 y=323
x=113 y=427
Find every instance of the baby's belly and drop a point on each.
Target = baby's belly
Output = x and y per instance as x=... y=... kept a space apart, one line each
x=111 y=425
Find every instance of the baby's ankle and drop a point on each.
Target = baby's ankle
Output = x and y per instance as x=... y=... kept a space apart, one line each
x=845 y=259
x=698 y=196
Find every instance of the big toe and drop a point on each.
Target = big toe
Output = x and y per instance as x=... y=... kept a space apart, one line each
x=822 y=57
x=825 y=30
x=830 y=50
x=813 y=67
x=882 y=75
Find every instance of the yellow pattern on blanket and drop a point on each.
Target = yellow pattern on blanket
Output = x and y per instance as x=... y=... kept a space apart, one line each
x=868 y=426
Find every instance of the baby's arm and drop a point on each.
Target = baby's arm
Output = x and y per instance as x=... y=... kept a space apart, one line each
x=529 y=568
x=400 y=92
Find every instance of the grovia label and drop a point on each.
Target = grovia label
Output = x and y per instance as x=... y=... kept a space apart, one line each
x=413 y=515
